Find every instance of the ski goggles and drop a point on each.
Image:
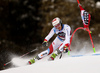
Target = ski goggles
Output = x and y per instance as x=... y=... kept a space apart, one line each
x=57 y=26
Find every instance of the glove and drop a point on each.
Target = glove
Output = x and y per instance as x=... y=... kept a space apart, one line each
x=45 y=43
x=65 y=48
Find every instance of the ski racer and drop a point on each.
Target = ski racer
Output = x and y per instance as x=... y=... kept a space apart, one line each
x=60 y=43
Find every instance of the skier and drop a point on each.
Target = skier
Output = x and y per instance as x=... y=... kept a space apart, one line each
x=60 y=43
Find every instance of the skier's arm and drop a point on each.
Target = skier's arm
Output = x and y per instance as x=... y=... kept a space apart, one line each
x=51 y=33
x=47 y=38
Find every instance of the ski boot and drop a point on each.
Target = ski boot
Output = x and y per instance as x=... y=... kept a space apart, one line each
x=53 y=56
x=33 y=60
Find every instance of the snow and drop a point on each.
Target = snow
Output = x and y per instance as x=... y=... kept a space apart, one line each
x=88 y=63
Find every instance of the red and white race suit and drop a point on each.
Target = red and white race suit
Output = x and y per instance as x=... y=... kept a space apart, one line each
x=63 y=38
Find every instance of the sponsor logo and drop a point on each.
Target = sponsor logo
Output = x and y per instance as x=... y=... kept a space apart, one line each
x=44 y=53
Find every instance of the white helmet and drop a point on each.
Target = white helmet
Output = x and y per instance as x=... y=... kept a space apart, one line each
x=56 y=21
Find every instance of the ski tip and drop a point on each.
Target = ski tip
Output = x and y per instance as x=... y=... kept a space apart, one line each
x=29 y=63
x=51 y=59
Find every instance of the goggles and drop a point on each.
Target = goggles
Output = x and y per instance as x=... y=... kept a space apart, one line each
x=57 y=26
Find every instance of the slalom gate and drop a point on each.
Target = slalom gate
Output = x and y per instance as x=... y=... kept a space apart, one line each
x=86 y=17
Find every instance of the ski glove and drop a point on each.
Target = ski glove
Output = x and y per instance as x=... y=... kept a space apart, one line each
x=65 y=48
x=45 y=43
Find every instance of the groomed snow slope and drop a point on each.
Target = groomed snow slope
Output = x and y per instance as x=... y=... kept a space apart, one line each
x=73 y=64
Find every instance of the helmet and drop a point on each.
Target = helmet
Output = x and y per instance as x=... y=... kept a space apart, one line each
x=56 y=21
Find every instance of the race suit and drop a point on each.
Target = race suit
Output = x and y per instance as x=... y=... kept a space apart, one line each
x=63 y=38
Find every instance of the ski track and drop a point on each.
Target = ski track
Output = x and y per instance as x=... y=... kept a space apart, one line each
x=87 y=63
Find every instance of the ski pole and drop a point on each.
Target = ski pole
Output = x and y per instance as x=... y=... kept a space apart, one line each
x=60 y=56
x=28 y=53
x=22 y=56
